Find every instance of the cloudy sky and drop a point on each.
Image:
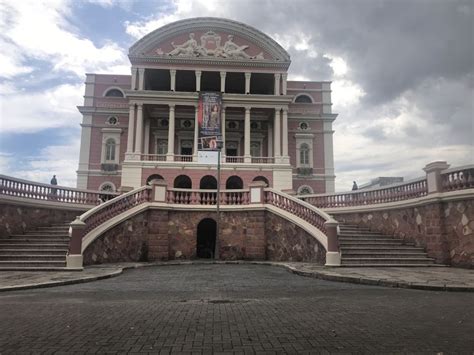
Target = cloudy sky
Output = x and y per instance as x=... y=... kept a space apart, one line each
x=402 y=73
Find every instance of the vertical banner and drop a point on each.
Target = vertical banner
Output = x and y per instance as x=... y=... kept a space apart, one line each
x=209 y=119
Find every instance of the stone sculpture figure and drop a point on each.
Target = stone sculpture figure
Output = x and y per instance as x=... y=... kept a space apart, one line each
x=189 y=48
x=233 y=50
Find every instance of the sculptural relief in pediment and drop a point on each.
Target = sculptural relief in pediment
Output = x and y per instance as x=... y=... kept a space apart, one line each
x=210 y=45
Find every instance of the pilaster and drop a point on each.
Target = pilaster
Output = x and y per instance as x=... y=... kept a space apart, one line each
x=171 y=124
x=247 y=157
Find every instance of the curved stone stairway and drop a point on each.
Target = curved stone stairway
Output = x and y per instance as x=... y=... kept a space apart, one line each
x=41 y=249
x=362 y=247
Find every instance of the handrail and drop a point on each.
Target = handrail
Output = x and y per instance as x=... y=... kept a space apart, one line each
x=397 y=192
x=297 y=207
x=459 y=178
x=107 y=210
x=11 y=186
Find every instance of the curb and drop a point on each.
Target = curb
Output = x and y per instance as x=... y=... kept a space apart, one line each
x=290 y=268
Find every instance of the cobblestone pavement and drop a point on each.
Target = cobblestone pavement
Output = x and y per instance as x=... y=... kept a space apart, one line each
x=246 y=309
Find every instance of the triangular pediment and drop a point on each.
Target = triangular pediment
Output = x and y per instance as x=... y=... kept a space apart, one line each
x=209 y=39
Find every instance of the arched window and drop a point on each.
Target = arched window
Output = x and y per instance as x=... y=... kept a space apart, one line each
x=107 y=187
x=262 y=178
x=208 y=182
x=304 y=99
x=234 y=183
x=182 y=182
x=114 y=93
x=305 y=190
x=255 y=149
x=162 y=147
x=110 y=149
x=304 y=154
x=154 y=177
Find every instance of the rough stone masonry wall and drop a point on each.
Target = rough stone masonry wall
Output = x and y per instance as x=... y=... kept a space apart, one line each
x=288 y=242
x=127 y=241
x=166 y=235
x=445 y=230
x=16 y=219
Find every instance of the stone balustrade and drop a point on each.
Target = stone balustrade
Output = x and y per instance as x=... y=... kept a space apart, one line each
x=14 y=187
x=458 y=178
x=207 y=197
x=409 y=190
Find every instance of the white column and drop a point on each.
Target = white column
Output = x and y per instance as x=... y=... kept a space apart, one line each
x=223 y=130
x=198 y=80
x=328 y=156
x=196 y=133
x=284 y=77
x=223 y=74
x=170 y=155
x=84 y=153
x=270 y=140
x=131 y=128
x=139 y=132
x=284 y=135
x=134 y=79
x=277 y=84
x=146 y=148
x=141 y=78
x=173 y=79
x=247 y=157
x=277 y=135
x=247 y=82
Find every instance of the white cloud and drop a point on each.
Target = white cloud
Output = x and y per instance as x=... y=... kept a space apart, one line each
x=59 y=160
x=40 y=30
x=345 y=93
x=26 y=112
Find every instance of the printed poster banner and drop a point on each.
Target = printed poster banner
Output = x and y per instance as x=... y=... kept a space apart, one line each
x=209 y=119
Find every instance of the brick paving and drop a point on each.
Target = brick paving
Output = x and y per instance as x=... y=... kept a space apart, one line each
x=234 y=309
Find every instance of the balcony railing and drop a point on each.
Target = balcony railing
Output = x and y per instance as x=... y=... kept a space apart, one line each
x=10 y=186
x=153 y=157
x=234 y=159
x=185 y=158
x=207 y=197
x=263 y=160
x=412 y=189
x=458 y=178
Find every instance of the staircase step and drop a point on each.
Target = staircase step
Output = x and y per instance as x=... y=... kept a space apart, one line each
x=389 y=260
x=36 y=251
x=366 y=254
x=392 y=265
x=33 y=239
x=34 y=257
x=35 y=268
x=39 y=235
x=381 y=248
x=371 y=243
x=365 y=239
x=33 y=263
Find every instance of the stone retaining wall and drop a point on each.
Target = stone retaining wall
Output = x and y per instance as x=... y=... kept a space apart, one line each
x=16 y=219
x=444 y=229
x=166 y=235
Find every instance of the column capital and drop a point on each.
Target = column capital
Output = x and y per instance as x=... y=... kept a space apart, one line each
x=284 y=75
x=277 y=75
x=139 y=106
x=277 y=109
x=247 y=108
x=285 y=109
x=248 y=75
x=198 y=72
x=223 y=74
x=171 y=106
x=141 y=70
x=173 y=71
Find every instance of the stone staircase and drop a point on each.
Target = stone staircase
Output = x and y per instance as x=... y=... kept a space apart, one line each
x=361 y=247
x=41 y=249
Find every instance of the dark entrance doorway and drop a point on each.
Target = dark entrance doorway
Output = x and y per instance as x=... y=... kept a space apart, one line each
x=206 y=238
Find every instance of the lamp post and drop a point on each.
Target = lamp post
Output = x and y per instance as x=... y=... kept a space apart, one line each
x=218 y=201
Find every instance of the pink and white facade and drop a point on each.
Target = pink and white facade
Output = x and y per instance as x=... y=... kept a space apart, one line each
x=142 y=126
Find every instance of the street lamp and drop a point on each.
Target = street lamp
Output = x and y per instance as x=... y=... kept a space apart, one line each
x=219 y=146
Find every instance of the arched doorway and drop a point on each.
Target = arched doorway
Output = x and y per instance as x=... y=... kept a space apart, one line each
x=206 y=239
x=208 y=182
x=234 y=183
x=182 y=182
x=261 y=178
x=154 y=177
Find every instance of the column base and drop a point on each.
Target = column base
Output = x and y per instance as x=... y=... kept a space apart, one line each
x=333 y=258
x=74 y=262
x=247 y=159
x=169 y=157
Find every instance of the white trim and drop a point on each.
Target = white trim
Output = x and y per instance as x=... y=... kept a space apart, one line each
x=112 y=88
x=302 y=94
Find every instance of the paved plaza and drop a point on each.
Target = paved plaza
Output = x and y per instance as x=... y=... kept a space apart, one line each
x=219 y=308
